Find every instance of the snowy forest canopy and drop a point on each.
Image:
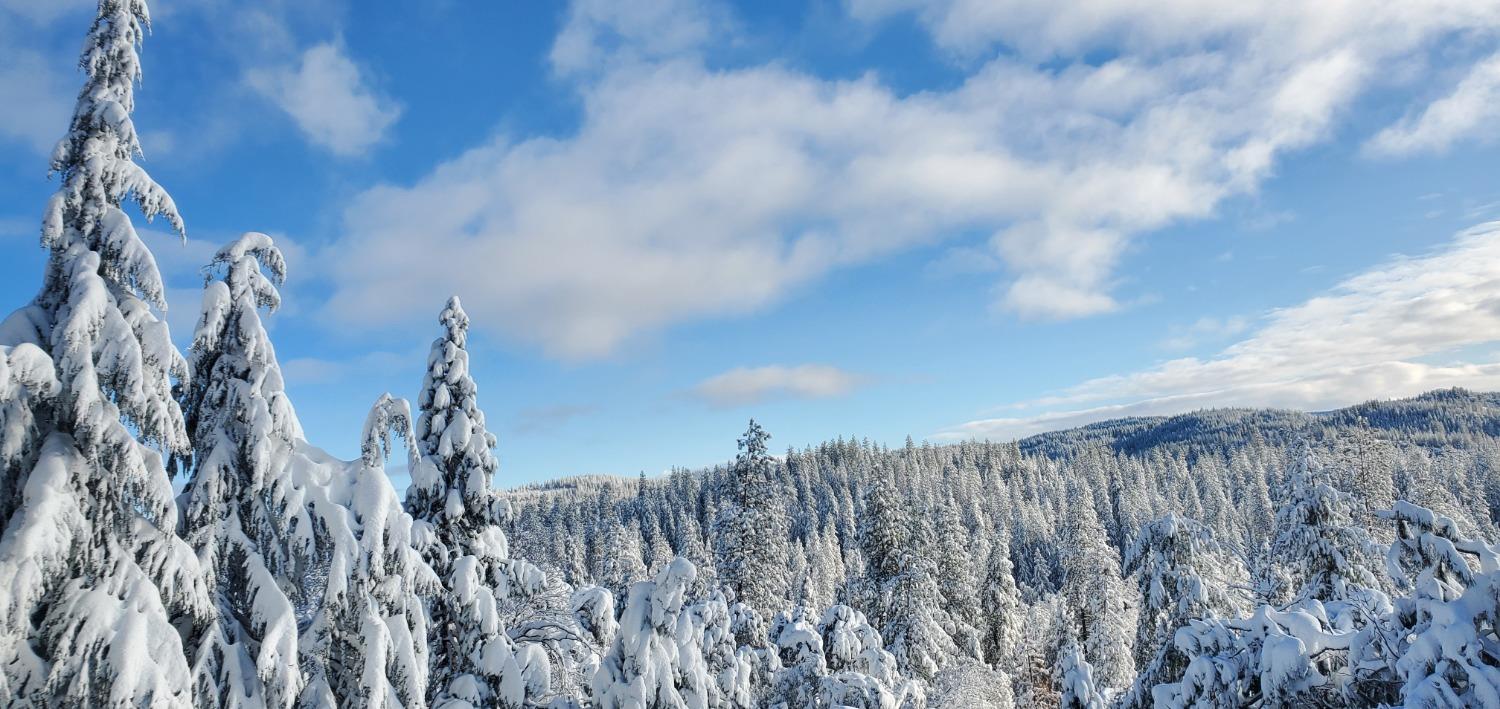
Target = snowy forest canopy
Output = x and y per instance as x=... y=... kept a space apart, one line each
x=1229 y=558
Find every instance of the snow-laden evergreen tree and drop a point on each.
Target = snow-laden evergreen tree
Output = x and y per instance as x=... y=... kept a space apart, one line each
x=1438 y=647
x=803 y=665
x=647 y=667
x=956 y=579
x=1034 y=682
x=620 y=558
x=367 y=643
x=883 y=536
x=28 y=384
x=914 y=628
x=1075 y=679
x=826 y=572
x=731 y=670
x=474 y=662
x=1095 y=596
x=861 y=672
x=94 y=583
x=753 y=637
x=1003 y=614
x=1182 y=574
x=971 y=684
x=237 y=513
x=1317 y=541
x=1273 y=658
x=750 y=533
x=452 y=494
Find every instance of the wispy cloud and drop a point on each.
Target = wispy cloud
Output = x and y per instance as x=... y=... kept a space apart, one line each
x=600 y=31
x=1375 y=335
x=331 y=100
x=1205 y=329
x=1470 y=111
x=752 y=385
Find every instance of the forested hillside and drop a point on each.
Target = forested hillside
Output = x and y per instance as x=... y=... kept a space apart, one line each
x=1000 y=535
x=1221 y=467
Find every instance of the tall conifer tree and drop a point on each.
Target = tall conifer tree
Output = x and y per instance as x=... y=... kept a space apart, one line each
x=93 y=581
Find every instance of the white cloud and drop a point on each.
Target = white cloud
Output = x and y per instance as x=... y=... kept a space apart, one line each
x=689 y=193
x=1047 y=29
x=1183 y=338
x=751 y=385
x=1396 y=330
x=600 y=30
x=329 y=98
x=1472 y=110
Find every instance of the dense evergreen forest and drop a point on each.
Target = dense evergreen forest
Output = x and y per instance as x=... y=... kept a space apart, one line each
x=998 y=534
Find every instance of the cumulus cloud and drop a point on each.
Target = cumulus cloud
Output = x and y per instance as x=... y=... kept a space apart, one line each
x=1396 y=330
x=328 y=97
x=690 y=192
x=1472 y=110
x=752 y=385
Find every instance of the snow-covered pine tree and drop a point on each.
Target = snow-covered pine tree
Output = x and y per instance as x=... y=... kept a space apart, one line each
x=474 y=662
x=1436 y=649
x=803 y=666
x=750 y=533
x=1033 y=681
x=93 y=581
x=1075 y=679
x=914 y=627
x=1001 y=621
x=730 y=668
x=367 y=643
x=1182 y=574
x=645 y=666
x=28 y=384
x=754 y=641
x=453 y=495
x=1095 y=595
x=861 y=672
x=1324 y=552
x=620 y=563
x=883 y=534
x=956 y=579
x=236 y=512
x=973 y=685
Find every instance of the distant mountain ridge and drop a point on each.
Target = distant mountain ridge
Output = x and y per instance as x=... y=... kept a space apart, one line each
x=1453 y=410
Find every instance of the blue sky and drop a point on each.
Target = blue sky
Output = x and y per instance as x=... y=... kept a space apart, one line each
x=870 y=218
